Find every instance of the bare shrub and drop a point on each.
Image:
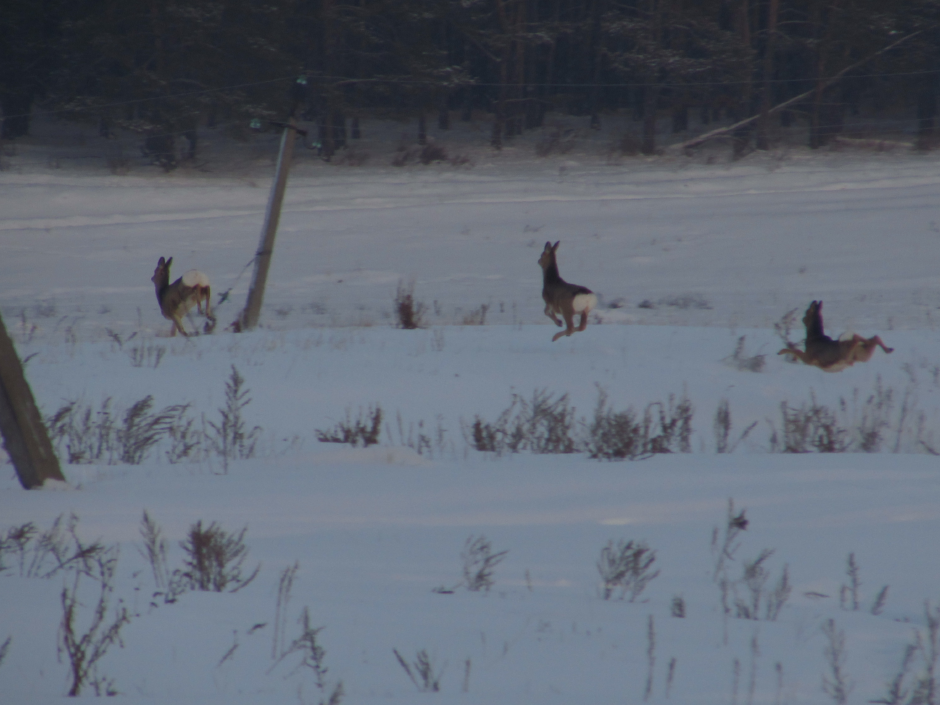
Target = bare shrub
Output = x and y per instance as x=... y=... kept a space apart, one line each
x=878 y=604
x=422 y=438
x=615 y=435
x=753 y=585
x=677 y=607
x=850 y=594
x=351 y=157
x=726 y=543
x=663 y=428
x=872 y=418
x=835 y=680
x=461 y=160
x=862 y=423
x=908 y=688
x=43 y=554
x=142 y=430
x=432 y=152
x=404 y=155
x=898 y=689
x=686 y=301
x=146 y=354
x=476 y=317
x=749 y=594
x=547 y=424
x=313 y=657
x=15 y=542
x=214 y=559
x=811 y=427
x=364 y=429
x=479 y=562
x=5 y=649
x=285 y=585
x=722 y=426
x=428 y=153
x=650 y=657
x=784 y=326
x=543 y=425
x=109 y=438
x=557 y=139
x=625 y=566
x=754 y=578
x=743 y=362
x=186 y=441
x=409 y=314
x=628 y=145
x=925 y=686
x=778 y=596
x=231 y=438
x=423 y=673
x=155 y=550
x=84 y=649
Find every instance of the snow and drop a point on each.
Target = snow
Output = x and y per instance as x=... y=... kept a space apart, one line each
x=713 y=251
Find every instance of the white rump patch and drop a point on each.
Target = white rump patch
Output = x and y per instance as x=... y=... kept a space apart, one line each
x=56 y=485
x=583 y=303
x=195 y=278
x=838 y=366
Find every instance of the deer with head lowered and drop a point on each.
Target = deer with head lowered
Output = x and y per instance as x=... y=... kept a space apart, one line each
x=176 y=299
x=561 y=297
x=832 y=355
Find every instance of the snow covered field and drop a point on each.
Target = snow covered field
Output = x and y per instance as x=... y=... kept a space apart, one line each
x=686 y=257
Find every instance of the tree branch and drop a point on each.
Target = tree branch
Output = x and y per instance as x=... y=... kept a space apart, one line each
x=701 y=139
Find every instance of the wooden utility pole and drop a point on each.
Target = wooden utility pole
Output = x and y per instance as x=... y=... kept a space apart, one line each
x=24 y=434
x=249 y=316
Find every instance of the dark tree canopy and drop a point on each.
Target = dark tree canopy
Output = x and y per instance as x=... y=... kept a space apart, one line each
x=165 y=68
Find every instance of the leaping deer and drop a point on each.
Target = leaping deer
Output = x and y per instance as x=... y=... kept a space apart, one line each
x=178 y=298
x=832 y=355
x=562 y=297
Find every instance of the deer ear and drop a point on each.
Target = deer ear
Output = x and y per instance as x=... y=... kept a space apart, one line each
x=548 y=247
x=161 y=263
x=556 y=246
x=169 y=262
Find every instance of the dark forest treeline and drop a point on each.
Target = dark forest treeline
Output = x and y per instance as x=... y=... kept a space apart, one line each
x=164 y=68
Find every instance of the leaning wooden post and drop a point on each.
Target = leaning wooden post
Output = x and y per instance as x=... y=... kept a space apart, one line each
x=249 y=316
x=24 y=434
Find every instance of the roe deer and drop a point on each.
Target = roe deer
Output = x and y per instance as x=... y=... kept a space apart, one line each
x=177 y=298
x=832 y=355
x=562 y=297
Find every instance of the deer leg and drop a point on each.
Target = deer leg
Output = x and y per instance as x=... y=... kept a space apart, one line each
x=864 y=348
x=584 y=320
x=569 y=327
x=798 y=354
x=178 y=325
x=550 y=312
x=876 y=340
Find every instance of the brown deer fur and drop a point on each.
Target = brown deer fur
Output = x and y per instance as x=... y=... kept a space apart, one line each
x=561 y=297
x=832 y=355
x=178 y=298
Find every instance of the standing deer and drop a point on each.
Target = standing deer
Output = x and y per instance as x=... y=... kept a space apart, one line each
x=177 y=298
x=832 y=355
x=562 y=297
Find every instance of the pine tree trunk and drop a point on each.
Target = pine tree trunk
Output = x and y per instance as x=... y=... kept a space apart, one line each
x=650 y=103
x=763 y=124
